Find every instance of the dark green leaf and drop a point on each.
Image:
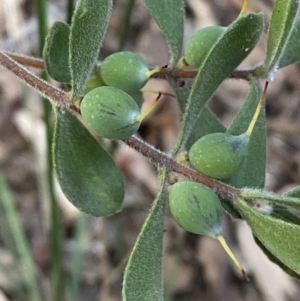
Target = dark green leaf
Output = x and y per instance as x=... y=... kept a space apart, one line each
x=56 y=52
x=253 y=170
x=282 y=239
x=207 y=123
x=88 y=28
x=294 y=192
x=283 y=15
x=277 y=199
x=86 y=173
x=286 y=214
x=228 y=52
x=291 y=53
x=143 y=279
x=181 y=93
x=169 y=16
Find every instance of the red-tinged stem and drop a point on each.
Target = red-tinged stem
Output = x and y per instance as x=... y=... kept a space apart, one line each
x=60 y=98
x=164 y=73
x=162 y=159
x=27 y=60
x=55 y=95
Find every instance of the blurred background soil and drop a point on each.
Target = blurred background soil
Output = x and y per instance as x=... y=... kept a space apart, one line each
x=196 y=268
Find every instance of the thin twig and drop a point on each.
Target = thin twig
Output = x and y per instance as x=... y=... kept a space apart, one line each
x=55 y=95
x=176 y=74
x=28 y=61
x=60 y=98
x=162 y=159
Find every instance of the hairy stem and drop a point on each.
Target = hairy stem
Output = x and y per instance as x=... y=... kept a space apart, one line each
x=55 y=95
x=162 y=159
x=157 y=157
x=163 y=74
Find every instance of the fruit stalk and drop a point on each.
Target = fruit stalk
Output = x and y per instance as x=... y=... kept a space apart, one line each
x=257 y=111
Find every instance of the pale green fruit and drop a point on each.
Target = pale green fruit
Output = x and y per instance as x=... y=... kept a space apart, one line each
x=200 y=43
x=196 y=208
x=218 y=155
x=92 y=83
x=125 y=70
x=110 y=112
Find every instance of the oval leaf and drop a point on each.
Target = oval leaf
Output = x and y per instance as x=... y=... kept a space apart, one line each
x=207 y=123
x=89 y=24
x=228 y=52
x=253 y=170
x=277 y=199
x=294 y=192
x=169 y=16
x=283 y=15
x=291 y=53
x=143 y=279
x=86 y=173
x=56 y=52
x=282 y=239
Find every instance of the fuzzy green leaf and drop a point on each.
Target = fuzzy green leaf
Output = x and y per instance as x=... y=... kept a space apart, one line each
x=281 y=23
x=89 y=24
x=286 y=214
x=207 y=123
x=228 y=52
x=56 y=52
x=181 y=93
x=294 y=192
x=275 y=259
x=143 y=280
x=253 y=170
x=291 y=53
x=277 y=199
x=282 y=239
x=86 y=173
x=169 y=16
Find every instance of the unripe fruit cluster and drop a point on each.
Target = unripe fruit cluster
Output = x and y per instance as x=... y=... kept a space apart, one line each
x=109 y=107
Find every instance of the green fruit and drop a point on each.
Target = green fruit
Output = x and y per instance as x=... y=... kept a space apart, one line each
x=200 y=43
x=218 y=155
x=92 y=83
x=110 y=112
x=125 y=70
x=196 y=208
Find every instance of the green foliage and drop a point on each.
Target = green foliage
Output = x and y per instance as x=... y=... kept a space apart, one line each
x=110 y=112
x=143 y=278
x=169 y=16
x=88 y=27
x=125 y=70
x=86 y=173
x=291 y=52
x=229 y=51
x=56 y=52
x=207 y=123
x=111 y=108
x=196 y=208
x=295 y=192
x=253 y=170
x=282 y=239
x=283 y=15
